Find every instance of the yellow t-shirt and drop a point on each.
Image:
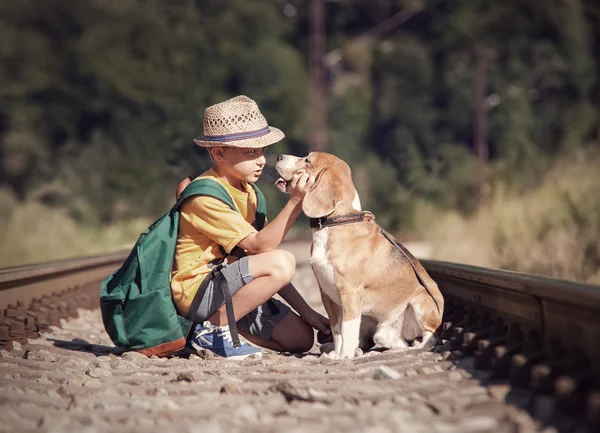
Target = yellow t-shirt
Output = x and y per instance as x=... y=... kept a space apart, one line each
x=204 y=224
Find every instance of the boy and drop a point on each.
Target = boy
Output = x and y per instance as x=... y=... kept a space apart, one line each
x=236 y=135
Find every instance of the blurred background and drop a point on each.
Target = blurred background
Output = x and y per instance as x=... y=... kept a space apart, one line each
x=470 y=125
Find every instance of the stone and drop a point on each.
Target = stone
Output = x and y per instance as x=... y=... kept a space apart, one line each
x=326 y=360
x=134 y=356
x=446 y=345
x=230 y=388
x=101 y=362
x=52 y=393
x=75 y=361
x=498 y=392
x=162 y=359
x=205 y=354
x=143 y=404
x=478 y=423
x=455 y=376
x=17 y=346
x=91 y=383
x=446 y=354
x=159 y=392
x=98 y=373
x=63 y=392
x=290 y=392
x=445 y=427
x=432 y=356
x=76 y=381
x=43 y=379
x=184 y=377
x=247 y=412
x=40 y=355
x=122 y=364
x=372 y=353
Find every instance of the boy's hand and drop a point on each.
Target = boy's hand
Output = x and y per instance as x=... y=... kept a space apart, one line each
x=185 y=182
x=316 y=320
x=300 y=184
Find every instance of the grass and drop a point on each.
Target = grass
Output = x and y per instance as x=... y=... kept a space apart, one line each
x=553 y=230
x=34 y=233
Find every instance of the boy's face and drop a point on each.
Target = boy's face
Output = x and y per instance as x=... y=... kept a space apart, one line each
x=242 y=163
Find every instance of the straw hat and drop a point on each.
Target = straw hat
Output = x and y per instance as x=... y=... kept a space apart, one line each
x=237 y=122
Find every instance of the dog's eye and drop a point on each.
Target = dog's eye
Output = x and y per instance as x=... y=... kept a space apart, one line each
x=307 y=161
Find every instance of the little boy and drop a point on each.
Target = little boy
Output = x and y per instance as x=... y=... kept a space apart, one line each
x=236 y=135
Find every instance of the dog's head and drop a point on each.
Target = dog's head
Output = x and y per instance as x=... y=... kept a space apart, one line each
x=333 y=181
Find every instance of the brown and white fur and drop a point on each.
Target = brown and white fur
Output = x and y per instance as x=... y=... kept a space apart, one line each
x=369 y=290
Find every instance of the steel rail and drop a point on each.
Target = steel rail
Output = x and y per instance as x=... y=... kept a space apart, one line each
x=24 y=283
x=560 y=313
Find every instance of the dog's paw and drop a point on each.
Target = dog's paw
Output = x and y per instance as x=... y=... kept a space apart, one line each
x=348 y=353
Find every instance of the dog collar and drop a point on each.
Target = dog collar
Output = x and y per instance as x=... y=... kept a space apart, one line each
x=319 y=223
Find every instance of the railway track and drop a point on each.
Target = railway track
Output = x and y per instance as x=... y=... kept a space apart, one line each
x=520 y=353
x=35 y=297
x=539 y=334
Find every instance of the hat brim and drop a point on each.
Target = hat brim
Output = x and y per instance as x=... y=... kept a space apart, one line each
x=271 y=137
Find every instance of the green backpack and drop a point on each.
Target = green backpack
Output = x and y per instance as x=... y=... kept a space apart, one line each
x=137 y=308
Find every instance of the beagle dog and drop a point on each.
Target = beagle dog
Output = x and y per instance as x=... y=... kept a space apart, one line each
x=375 y=292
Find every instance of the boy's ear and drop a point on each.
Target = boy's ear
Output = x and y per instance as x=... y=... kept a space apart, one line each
x=217 y=153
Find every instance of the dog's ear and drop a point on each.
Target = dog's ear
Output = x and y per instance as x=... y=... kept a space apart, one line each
x=324 y=196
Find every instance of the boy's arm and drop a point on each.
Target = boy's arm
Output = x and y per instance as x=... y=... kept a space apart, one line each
x=182 y=185
x=271 y=236
x=297 y=302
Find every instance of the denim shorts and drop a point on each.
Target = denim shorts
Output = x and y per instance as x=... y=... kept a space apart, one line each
x=260 y=321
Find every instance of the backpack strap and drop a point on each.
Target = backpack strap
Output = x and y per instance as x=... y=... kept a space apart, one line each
x=208 y=188
x=261 y=208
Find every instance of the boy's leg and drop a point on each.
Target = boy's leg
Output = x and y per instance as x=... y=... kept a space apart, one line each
x=269 y=272
x=275 y=326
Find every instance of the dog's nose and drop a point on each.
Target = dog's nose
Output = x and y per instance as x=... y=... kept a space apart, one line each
x=279 y=157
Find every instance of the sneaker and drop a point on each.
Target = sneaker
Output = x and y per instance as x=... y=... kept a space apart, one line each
x=217 y=339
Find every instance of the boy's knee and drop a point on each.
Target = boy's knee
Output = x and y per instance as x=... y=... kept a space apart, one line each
x=304 y=341
x=284 y=265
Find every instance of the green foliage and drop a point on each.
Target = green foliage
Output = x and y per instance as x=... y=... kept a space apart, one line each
x=99 y=99
x=103 y=98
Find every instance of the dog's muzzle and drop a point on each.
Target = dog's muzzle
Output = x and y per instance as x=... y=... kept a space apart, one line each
x=285 y=167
